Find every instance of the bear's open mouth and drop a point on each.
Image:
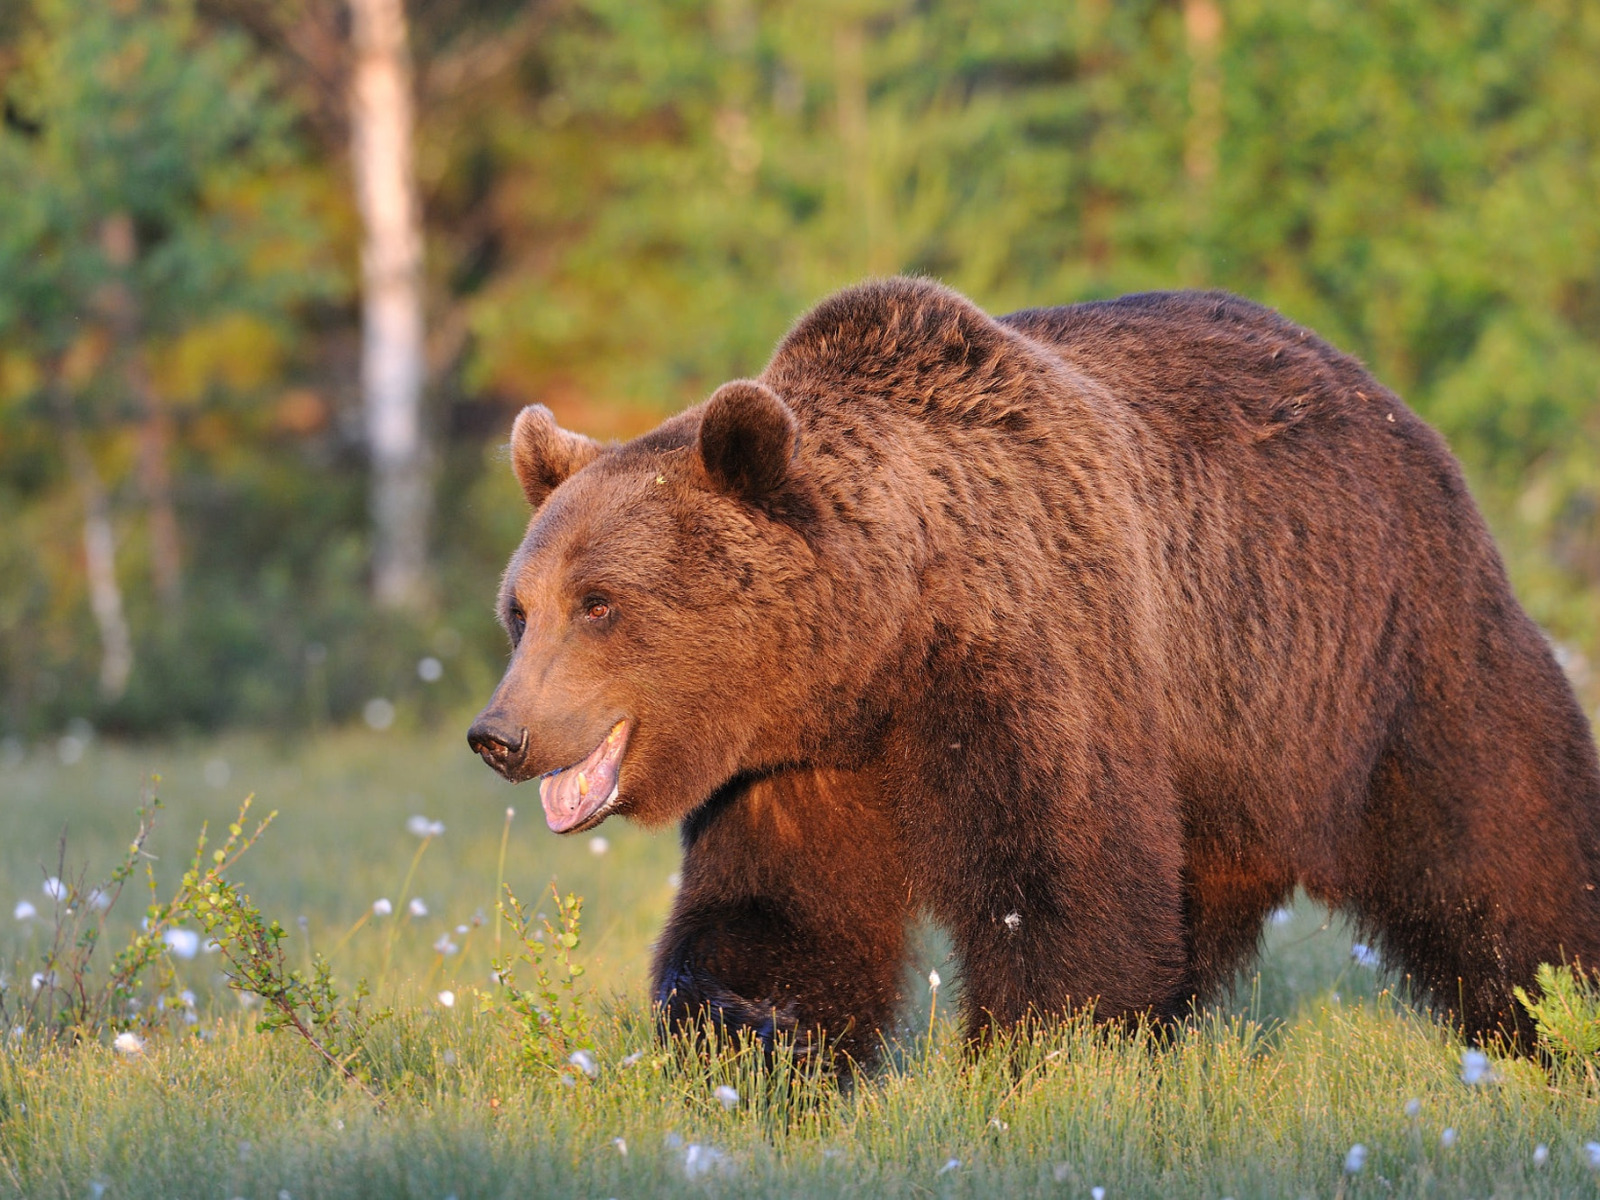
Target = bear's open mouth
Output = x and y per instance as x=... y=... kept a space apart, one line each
x=578 y=797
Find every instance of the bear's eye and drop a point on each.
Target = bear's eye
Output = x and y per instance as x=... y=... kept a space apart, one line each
x=596 y=608
x=518 y=621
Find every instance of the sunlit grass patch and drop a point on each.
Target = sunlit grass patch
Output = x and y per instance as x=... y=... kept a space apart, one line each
x=1271 y=1094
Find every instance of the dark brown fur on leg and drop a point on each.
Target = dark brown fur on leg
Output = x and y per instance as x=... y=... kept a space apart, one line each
x=791 y=918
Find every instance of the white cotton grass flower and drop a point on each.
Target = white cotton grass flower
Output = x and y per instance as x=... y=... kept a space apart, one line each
x=417 y=908
x=933 y=979
x=1097 y=1193
x=728 y=1097
x=1448 y=1138
x=1541 y=1154
x=447 y=998
x=1591 y=1151
x=44 y=979
x=55 y=889
x=621 y=1144
x=1475 y=1068
x=633 y=1058
x=1413 y=1108
x=430 y=669
x=381 y=907
x=1365 y=956
x=423 y=827
x=598 y=845
x=444 y=945
x=950 y=1164
x=1355 y=1159
x=584 y=1061
x=378 y=713
x=701 y=1160
x=99 y=899
x=129 y=1043
x=185 y=943
x=25 y=911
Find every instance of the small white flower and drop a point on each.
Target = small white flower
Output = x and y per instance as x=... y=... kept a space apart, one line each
x=24 y=911
x=447 y=998
x=186 y=998
x=633 y=1058
x=55 y=889
x=728 y=1097
x=584 y=1061
x=185 y=943
x=1447 y=1138
x=933 y=980
x=1413 y=1107
x=1365 y=956
x=950 y=1164
x=1541 y=1154
x=622 y=1146
x=1013 y=921
x=430 y=669
x=1097 y=1193
x=1592 y=1151
x=98 y=898
x=598 y=845
x=1475 y=1068
x=417 y=908
x=423 y=827
x=444 y=945
x=1355 y=1159
x=43 y=979
x=129 y=1043
x=381 y=907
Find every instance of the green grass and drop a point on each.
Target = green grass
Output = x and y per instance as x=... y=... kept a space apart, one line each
x=1263 y=1096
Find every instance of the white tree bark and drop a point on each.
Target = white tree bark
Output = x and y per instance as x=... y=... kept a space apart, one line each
x=391 y=275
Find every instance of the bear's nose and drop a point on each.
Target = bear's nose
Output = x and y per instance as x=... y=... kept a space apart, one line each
x=496 y=743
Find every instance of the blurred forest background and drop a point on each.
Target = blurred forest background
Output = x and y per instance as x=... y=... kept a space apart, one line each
x=625 y=202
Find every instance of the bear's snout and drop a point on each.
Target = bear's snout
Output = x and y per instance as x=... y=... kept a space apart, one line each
x=502 y=747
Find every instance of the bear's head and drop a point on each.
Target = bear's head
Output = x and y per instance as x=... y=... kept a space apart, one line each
x=658 y=592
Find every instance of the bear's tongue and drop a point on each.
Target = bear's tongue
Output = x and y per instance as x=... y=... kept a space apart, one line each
x=575 y=796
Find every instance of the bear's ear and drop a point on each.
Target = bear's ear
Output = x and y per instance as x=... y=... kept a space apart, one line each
x=748 y=438
x=543 y=454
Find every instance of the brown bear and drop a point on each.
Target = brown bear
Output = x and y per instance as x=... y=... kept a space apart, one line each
x=1089 y=632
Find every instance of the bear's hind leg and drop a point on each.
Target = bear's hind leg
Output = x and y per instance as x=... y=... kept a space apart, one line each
x=1479 y=850
x=791 y=918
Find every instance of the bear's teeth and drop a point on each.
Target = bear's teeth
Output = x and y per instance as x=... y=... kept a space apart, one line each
x=583 y=784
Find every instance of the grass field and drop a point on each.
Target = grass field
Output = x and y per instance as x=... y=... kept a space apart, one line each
x=1264 y=1096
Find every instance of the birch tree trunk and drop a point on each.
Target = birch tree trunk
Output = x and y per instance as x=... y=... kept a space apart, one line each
x=391 y=277
x=100 y=559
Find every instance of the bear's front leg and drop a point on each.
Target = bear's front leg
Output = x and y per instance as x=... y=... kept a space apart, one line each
x=791 y=918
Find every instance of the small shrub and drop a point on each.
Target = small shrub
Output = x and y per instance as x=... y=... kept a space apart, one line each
x=551 y=1017
x=1567 y=1017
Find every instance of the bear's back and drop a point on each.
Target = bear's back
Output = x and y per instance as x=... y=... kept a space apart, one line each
x=1203 y=366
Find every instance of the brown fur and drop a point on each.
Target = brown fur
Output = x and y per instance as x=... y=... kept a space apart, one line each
x=1119 y=619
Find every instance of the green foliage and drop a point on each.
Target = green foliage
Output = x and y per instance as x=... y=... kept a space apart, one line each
x=552 y=1018
x=628 y=202
x=1567 y=1017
